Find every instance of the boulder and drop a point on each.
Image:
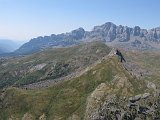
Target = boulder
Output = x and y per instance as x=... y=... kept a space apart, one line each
x=27 y=116
x=145 y=95
x=135 y=98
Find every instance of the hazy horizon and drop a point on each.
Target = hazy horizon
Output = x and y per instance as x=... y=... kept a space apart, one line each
x=22 y=20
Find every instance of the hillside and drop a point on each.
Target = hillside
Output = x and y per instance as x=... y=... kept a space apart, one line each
x=71 y=97
x=103 y=89
x=144 y=65
x=50 y=64
x=87 y=82
x=111 y=34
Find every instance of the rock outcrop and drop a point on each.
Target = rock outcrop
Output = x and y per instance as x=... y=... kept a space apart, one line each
x=104 y=106
x=111 y=32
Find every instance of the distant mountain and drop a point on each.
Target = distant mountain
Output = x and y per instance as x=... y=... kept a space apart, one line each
x=7 y=46
x=117 y=36
x=60 y=40
x=126 y=37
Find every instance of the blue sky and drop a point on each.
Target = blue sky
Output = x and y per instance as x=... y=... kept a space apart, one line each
x=25 y=19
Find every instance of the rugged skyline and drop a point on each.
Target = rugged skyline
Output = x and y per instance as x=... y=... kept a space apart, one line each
x=23 y=20
x=110 y=33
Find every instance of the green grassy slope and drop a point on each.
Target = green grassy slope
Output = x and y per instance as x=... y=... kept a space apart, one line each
x=49 y=64
x=68 y=98
x=149 y=61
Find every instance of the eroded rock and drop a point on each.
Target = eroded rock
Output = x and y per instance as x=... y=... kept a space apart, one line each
x=27 y=116
x=42 y=117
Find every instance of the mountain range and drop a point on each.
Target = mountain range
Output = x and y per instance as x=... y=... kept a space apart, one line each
x=111 y=34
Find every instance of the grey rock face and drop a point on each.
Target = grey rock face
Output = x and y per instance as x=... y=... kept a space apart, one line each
x=125 y=35
x=125 y=110
x=77 y=34
x=136 y=31
x=154 y=35
x=106 y=31
x=110 y=32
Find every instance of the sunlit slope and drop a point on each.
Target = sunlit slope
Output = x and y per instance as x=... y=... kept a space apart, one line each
x=50 y=64
x=68 y=100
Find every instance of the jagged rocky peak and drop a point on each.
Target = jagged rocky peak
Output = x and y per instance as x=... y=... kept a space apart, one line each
x=120 y=29
x=136 y=31
x=78 y=33
x=109 y=31
x=105 y=27
x=125 y=35
x=109 y=25
x=143 y=32
x=154 y=34
x=78 y=30
x=106 y=31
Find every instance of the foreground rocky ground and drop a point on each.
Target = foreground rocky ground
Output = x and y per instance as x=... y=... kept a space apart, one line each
x=140 y=107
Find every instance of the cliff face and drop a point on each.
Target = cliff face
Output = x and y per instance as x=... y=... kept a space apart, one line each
x=110 y=32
